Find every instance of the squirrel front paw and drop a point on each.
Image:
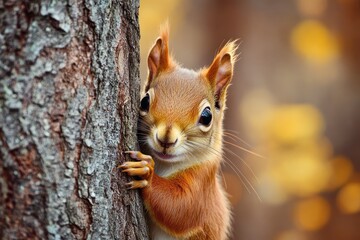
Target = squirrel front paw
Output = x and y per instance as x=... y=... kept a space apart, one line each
x=144 y=169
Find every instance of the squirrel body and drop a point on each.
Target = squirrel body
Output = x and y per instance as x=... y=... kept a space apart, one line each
x=180 y=137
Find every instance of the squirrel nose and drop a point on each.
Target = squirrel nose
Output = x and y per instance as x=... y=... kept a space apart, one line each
x=165 y=144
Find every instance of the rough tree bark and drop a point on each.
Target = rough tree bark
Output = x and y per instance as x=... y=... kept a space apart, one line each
x=69 y=84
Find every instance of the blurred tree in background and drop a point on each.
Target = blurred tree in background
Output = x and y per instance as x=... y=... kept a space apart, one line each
x=295 y=100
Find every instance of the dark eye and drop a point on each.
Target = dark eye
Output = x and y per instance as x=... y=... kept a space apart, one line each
x=206 y=117
x=145 y=103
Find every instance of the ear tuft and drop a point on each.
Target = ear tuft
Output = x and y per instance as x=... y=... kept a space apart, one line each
x=159 y=58
x=164 y=32
x=230 y=48
x=220 y=72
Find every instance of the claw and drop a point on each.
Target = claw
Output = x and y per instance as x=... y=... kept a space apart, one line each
x=144 y=168
x=129 y=185
x=139 y=156
x=136 y=184
x=133 y=164
x=133 y=154
x=122 y=165
x=137 y=171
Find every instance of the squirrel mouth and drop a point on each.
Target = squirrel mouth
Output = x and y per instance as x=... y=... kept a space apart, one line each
x=164 y=156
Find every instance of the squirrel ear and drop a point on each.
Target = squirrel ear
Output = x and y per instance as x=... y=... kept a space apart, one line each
x=220 y=72
x=159 y=58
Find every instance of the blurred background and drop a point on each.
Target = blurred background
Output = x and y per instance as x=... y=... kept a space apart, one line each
x=294 y=103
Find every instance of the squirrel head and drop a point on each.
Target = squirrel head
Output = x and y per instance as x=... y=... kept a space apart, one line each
x=181 y=110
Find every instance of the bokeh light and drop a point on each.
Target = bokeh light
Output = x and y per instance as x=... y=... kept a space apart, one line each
x=294 y=123
x=312 y=40
x=348 y=198
x=311 y=214
x=301 y=175
x=255 y=109
x=297 y=150
x=342 y=169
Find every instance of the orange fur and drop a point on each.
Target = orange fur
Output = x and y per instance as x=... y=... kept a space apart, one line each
x=188 y=203
x=183 y=195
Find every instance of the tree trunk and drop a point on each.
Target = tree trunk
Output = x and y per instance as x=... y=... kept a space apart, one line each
x=69 y=84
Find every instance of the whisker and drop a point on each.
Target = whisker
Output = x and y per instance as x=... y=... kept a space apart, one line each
x=142 y=134
x=196 y=143
x=206 y=147
x=231 y=130
x=244 y=149
x=223 y=178
x=244 y=162
x=221 y=171
x=237 y=171
x=235 y=137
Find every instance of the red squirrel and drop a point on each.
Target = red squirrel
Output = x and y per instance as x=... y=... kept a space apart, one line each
x=180 y=137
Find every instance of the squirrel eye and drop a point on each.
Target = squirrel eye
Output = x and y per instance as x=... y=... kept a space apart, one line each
x=205 y=117
x=145 y=103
